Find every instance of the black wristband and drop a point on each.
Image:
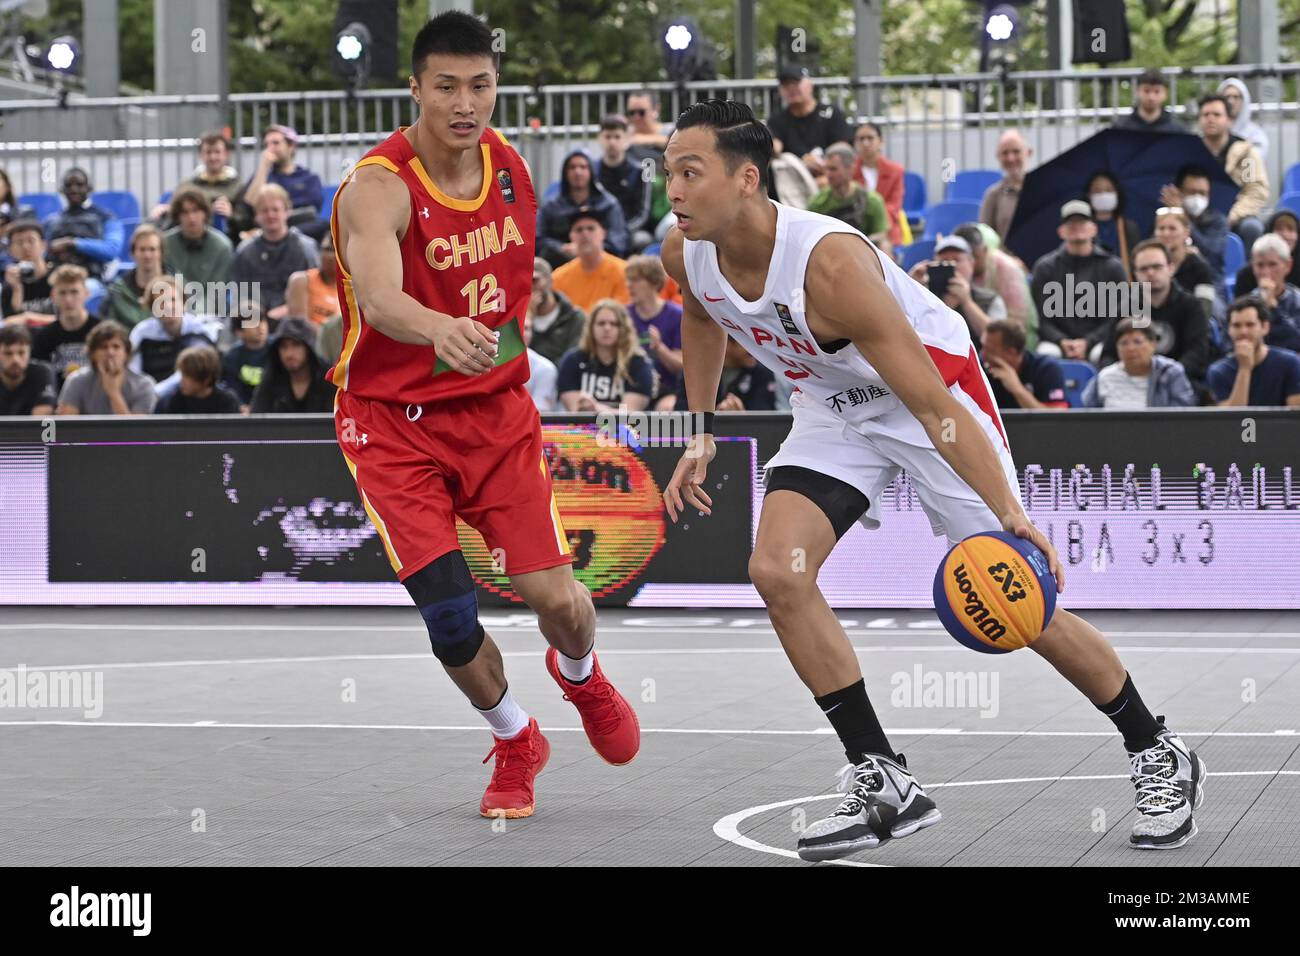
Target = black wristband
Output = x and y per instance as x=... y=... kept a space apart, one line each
x=707 y=422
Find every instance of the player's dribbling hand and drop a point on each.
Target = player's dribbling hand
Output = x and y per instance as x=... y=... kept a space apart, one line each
x=687 y=486
x=1020 y=525
x=468 y=346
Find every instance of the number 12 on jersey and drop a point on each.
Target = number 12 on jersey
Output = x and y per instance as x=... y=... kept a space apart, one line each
x=484 y=295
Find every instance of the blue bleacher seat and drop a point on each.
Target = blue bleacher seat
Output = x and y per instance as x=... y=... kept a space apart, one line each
x=918 y=251
x=944 y=217
x=45 y=204
x=120 y=203
x=1077 y=376
x=1290 y=200
x=914 y=196
x=327 y=199
x=1234 y=257
x=972 y=184
x=128 y=227
x=1291 y=180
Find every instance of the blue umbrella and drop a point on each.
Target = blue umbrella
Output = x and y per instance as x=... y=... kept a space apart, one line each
x=1140 y=162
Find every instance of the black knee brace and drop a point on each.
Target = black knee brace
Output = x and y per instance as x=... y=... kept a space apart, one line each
x=443 y=590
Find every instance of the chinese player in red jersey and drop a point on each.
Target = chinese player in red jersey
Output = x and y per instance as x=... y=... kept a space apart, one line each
x=434 y=232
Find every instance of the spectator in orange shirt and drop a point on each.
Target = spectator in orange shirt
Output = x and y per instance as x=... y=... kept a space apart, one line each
x=312 y=293
x=593 y=274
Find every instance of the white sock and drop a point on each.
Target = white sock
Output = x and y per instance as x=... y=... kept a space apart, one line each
x=575 y=670
x=507 y=719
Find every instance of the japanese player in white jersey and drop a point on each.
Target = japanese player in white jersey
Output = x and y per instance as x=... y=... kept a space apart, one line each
x=813 y=299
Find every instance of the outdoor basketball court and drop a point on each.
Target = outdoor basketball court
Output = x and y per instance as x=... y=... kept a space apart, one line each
x=239 y=736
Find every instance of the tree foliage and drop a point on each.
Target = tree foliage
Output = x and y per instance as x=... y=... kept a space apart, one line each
x=286 y=44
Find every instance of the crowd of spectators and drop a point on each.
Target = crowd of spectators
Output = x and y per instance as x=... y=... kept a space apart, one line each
x=603 y=323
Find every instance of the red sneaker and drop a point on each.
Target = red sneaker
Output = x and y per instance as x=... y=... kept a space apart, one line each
x=519 y=760
x=608 y=719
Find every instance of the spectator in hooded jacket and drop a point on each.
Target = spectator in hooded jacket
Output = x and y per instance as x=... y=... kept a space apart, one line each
x=294 y=380
x=578 y=189
x=1236 y=94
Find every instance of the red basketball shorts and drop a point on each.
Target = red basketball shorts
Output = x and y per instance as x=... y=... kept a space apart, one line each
x=479 y=457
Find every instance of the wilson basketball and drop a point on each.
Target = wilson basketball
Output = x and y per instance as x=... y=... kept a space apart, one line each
x=610 y=507
x=994 y=592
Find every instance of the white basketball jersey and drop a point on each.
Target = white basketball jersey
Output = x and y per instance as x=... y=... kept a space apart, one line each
x=774 y=329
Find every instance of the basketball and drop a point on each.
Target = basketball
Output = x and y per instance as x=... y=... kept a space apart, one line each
x=994 y=592
x=609 y=505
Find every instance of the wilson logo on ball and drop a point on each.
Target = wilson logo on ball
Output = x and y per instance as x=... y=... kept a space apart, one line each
x=994 y=592
x=975 y=609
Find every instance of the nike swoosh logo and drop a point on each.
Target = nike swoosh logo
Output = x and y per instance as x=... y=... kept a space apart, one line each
x=712 y=299
x=832 y=708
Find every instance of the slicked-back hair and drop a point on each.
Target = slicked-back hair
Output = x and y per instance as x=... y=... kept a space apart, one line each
x=455 y=33
x=740 y=137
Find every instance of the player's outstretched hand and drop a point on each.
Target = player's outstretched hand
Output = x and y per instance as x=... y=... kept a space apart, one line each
x=468 y=346
x=1020 y=525
x=688 y=479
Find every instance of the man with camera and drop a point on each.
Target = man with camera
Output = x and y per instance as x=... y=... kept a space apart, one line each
x=27 y=281
x=950 y=276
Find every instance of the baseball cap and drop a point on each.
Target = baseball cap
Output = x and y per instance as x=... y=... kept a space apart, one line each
x=790 y=72
x=586 y=212
x=952 y=242
x=1076 y=207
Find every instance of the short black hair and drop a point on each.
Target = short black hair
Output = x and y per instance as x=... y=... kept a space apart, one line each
x=1152 y=77
x=454 y=32
x=741 y=138
x=1210 y=98
x=1243 y=302
x=1146 y=244
x=1192 y=170
x=15 y=335
x=1013 y=335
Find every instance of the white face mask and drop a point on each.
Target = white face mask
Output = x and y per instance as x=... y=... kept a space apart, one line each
x=1195 y=205
x=1104 y=202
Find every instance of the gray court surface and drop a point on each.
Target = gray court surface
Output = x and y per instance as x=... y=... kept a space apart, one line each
x=330 y=737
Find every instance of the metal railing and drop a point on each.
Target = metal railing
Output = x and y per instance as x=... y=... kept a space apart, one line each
x=935 y=124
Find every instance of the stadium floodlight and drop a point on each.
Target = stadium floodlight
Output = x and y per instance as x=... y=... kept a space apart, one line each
x=63 y=54
x=1000 y=37
x=352 y=55
x=1001 y=24
x=678 y=37
x=688 y=54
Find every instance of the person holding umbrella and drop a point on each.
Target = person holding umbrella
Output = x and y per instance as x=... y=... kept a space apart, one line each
x=1116 y=234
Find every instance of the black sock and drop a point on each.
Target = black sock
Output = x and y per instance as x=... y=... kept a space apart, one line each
x=854 y=719
x=1132 y=718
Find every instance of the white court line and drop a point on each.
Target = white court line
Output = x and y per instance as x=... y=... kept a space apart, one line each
x=743 y=732
x=615 y=652
x=658 y=630
x=728 y=828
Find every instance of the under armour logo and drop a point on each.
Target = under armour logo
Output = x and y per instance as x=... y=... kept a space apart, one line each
x=425 y=212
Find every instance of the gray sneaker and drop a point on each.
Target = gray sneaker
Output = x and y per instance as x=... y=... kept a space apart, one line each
x=883 y=802
x=1170 y=782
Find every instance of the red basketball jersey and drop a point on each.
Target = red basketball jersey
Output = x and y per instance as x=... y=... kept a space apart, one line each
x=462 y=257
